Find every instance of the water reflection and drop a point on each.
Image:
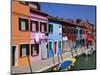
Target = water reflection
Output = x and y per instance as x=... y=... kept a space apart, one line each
x=85 y=62
x=86 y=59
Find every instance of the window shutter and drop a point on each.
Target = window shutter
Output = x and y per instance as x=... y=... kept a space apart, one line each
x=45 y=27
x=50 y=45
x=19 y=23
x=37 y=48
x=31 y=49
x=51 y=28
x=20 y=50
x=27 y=50
x=27 y=27
x=37 y=26
x=31 y=25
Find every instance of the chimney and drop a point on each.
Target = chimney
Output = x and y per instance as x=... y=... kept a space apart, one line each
x=78 y=20
x=70 y=20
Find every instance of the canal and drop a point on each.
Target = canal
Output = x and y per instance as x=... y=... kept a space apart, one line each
x=85 y=62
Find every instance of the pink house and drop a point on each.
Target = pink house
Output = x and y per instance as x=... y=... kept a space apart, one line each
x=38 y=35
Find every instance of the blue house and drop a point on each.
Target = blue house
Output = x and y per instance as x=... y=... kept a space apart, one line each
x=54 y=38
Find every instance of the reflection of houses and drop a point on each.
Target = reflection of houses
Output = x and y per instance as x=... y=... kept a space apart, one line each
x=54 y=37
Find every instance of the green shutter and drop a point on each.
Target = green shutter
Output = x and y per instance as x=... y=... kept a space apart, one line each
x=50 y=45
x=50 y=28
x=60 y=44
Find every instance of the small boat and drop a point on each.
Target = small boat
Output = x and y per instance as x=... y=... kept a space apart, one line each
x=66 y=65
x=89 y=51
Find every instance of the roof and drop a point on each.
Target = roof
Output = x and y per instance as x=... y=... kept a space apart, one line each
x=37 y=11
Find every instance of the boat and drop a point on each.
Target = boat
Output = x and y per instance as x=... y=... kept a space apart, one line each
x=66 y=65
x=89 y=51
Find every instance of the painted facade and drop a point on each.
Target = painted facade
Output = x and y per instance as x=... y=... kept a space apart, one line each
x=84 y=38
x=54 y=39
x=70 y=32
x=78 y=40
x=90 y=37
x=20 y=33
x=29 y=34
x=39 y=28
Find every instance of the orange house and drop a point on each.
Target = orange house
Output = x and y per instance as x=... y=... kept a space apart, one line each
x=20 y=33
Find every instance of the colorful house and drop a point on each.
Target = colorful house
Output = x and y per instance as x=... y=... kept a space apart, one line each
x=70 y=33
x=90 y=36
x=20 y=33
x=83 y=33
x=78 y=40
x=38 y=35
x=54 y=38
x=29 y=33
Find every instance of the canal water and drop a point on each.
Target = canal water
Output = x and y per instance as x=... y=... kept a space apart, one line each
x=85 y=62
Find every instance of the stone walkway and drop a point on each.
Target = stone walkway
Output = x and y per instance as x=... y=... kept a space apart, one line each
x=45 y=64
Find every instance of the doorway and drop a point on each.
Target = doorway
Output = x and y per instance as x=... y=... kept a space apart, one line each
x=43 y=49
x=14 y=56
x=55 y=47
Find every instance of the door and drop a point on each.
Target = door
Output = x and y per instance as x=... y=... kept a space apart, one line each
x=43 y=49
x=55 y=47
x=14 y=56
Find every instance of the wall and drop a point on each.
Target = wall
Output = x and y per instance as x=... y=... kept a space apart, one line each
x=33 y=35
x=19 y=37
x=54 y=37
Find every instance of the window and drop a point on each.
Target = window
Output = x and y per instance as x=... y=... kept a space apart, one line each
x=50 y=28
x=60 y=44
x=34 y=49
x=60 y=30
x=82 y=42
x=43 y=27
x=50 y=45
x=23 y=24
x=34 y=26
x=81 y=31
x=24 y=50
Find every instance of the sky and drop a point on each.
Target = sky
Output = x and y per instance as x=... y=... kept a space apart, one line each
x=69 y=11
